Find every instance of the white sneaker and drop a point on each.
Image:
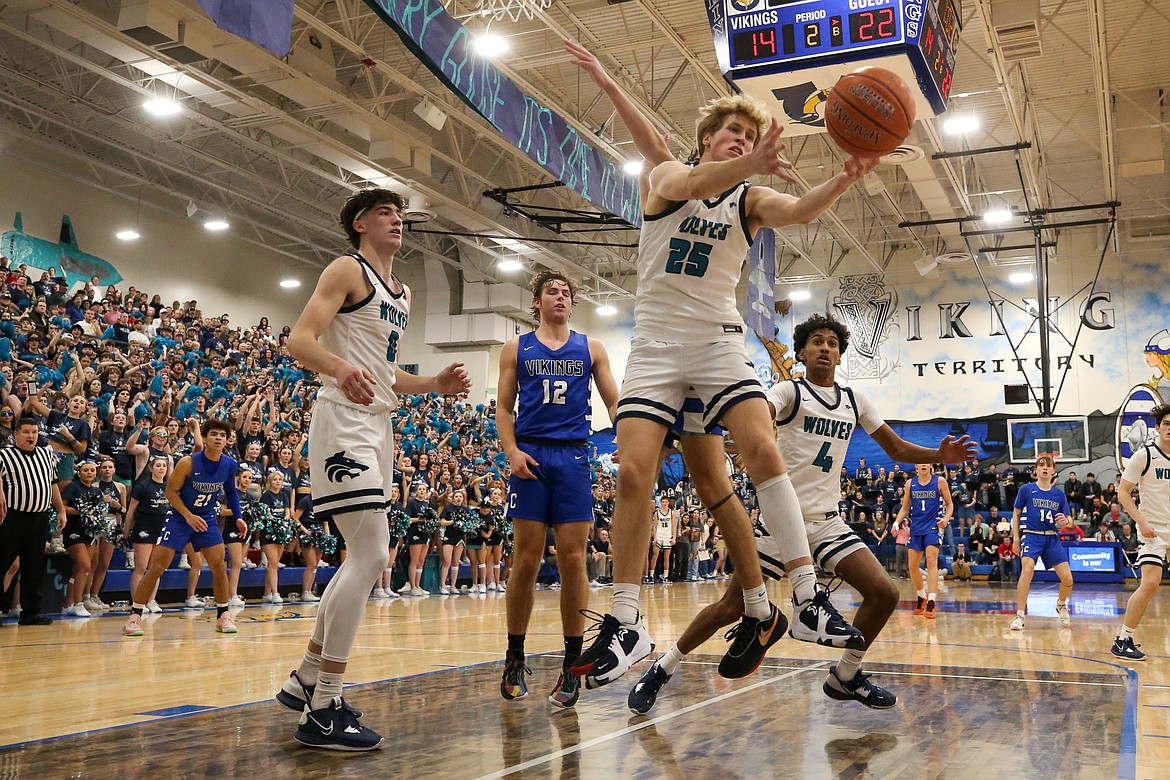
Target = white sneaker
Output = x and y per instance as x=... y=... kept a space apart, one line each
x=130 y=559
x=153 y=607
x=491 y=586
x=380 y=593
x=248 y=564
x=482 y=588
x=267 y=599
x=419 y=592
x=279 y=565
x=309 y=598
x=444 y=591
x=88 y=602
x=276 y=599
x=183 y=564
x=1062 y=615
x=97 y=602
x=14 y=612
x=405 y=590
x=236 y=601
x=1017 y=624
x=193 y=603
x=500 y=588
x=79 y=610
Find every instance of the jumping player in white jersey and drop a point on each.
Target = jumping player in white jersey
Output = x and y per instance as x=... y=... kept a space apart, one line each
x=546 y=438
x=1149 y=469
x=349 y=333
x=699 y=222
x=816 y=418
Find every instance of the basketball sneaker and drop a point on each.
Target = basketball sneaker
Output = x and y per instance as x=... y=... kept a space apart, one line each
x=1062 y=615
x=920 y=606
x=615 y=649
x=929 y=613
x=336 y=727
x=236 y=601
x=1017 y=623
x=133 y=626
x=750 y=640
x=379 y=593
x=309 y=598
x=153 y=608
x=294 y=695
x=224 y=624
x=567 y=690
x=818 y=621
x=1125 y=648
x=512 y=685
x=193 y=603
x=645 y=693
x=858 y=689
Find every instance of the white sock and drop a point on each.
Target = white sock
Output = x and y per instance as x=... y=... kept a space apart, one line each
x=1021 y=614
x=671 y=659
x=849 y=665
x=328 y=688
x=930 y=597
x=755 y=602
x=626 y=605
x=804 y=583
x=780 y=511
x=921 y=593
x=310 y=667
x=1126 y=633
x=1060 y=604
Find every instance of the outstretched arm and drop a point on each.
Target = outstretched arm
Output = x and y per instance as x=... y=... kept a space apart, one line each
x=948 y=451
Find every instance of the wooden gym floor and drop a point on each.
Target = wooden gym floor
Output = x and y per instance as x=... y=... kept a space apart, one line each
x=79 y=700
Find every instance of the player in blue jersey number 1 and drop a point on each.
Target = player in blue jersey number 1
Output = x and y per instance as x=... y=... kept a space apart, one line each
x=927 y=501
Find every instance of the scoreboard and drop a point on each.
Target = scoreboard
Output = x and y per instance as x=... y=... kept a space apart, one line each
x=789 y=53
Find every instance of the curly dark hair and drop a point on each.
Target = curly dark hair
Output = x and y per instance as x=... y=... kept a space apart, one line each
x=361 y=202
x=1159 y=412
x=819 y=322
x=544 y=277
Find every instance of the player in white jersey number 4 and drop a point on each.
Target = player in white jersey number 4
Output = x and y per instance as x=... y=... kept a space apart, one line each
x=816 y=419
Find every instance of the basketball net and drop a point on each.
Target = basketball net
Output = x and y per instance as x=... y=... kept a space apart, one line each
x=512 y=9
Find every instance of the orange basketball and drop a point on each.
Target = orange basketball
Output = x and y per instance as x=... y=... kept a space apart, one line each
x=869 y=112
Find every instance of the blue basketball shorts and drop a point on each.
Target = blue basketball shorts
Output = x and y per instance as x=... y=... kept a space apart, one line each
x=176 y=534
x=562 y=491
x=1044 y=546
x=920 y=542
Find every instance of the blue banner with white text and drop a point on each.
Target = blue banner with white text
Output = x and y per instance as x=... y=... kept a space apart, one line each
x=268 y=24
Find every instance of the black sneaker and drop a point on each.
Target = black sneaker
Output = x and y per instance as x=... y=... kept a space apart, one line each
x=1125 y=648
x=819 y=622
x=615 y=649
x=567 y=690
x=35 y=620
x=750 y=640
x=295 y=695
x=645 y=693
x=512 y=685
x=858 y=689
x=336 y=728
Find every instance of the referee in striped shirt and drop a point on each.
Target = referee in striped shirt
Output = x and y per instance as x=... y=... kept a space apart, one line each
x=28 y=489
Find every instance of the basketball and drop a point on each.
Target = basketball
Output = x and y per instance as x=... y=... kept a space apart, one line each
x=869 y=112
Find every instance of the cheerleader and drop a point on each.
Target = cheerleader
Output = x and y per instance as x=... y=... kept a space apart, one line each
x=418 y=538
x=451 y=524
x=254 y=462
x=115 y=496
x=144 y=521
x=494 y=546
x=315 y=542
x=476 y=543
x=399 y=522
x=275 y=535
x=235 y=539
x=80 y=533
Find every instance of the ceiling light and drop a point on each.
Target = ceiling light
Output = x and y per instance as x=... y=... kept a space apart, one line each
x=490 y=45
x=510 y=265
x=161 y=106
x=633 y=167
x=1020 y=277
x=607 y=310
x=799 y=295
x=997 y=216
x=128 y=235
x=216 y=225
x=290 y=284
x=961 y=125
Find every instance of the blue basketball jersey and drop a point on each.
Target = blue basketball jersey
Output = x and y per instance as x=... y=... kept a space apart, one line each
x=200 y=493
x=1039 y=508
x=554 y=389
x=926 y=506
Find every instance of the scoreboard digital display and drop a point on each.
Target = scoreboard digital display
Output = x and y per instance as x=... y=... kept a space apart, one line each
x=756 y=38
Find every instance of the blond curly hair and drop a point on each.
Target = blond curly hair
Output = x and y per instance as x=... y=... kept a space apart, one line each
x=712 y=116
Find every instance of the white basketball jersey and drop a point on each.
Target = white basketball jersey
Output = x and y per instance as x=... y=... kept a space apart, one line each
x=663 y=528
x=814 y=426
x=690 y=259
x=368 y=334
x=1149 y=469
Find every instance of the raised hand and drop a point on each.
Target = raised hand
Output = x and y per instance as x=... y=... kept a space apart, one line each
x=767 y=156
x=951 y=450
x=453 y=380
x=586 y=61
x=857 y=167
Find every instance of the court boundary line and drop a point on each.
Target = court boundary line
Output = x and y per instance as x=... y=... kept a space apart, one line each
x=627 y=730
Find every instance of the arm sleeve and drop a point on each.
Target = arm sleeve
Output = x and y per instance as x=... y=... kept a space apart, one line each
x=231 y=494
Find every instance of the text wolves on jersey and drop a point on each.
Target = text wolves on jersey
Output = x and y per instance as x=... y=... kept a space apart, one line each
x=831 y=429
